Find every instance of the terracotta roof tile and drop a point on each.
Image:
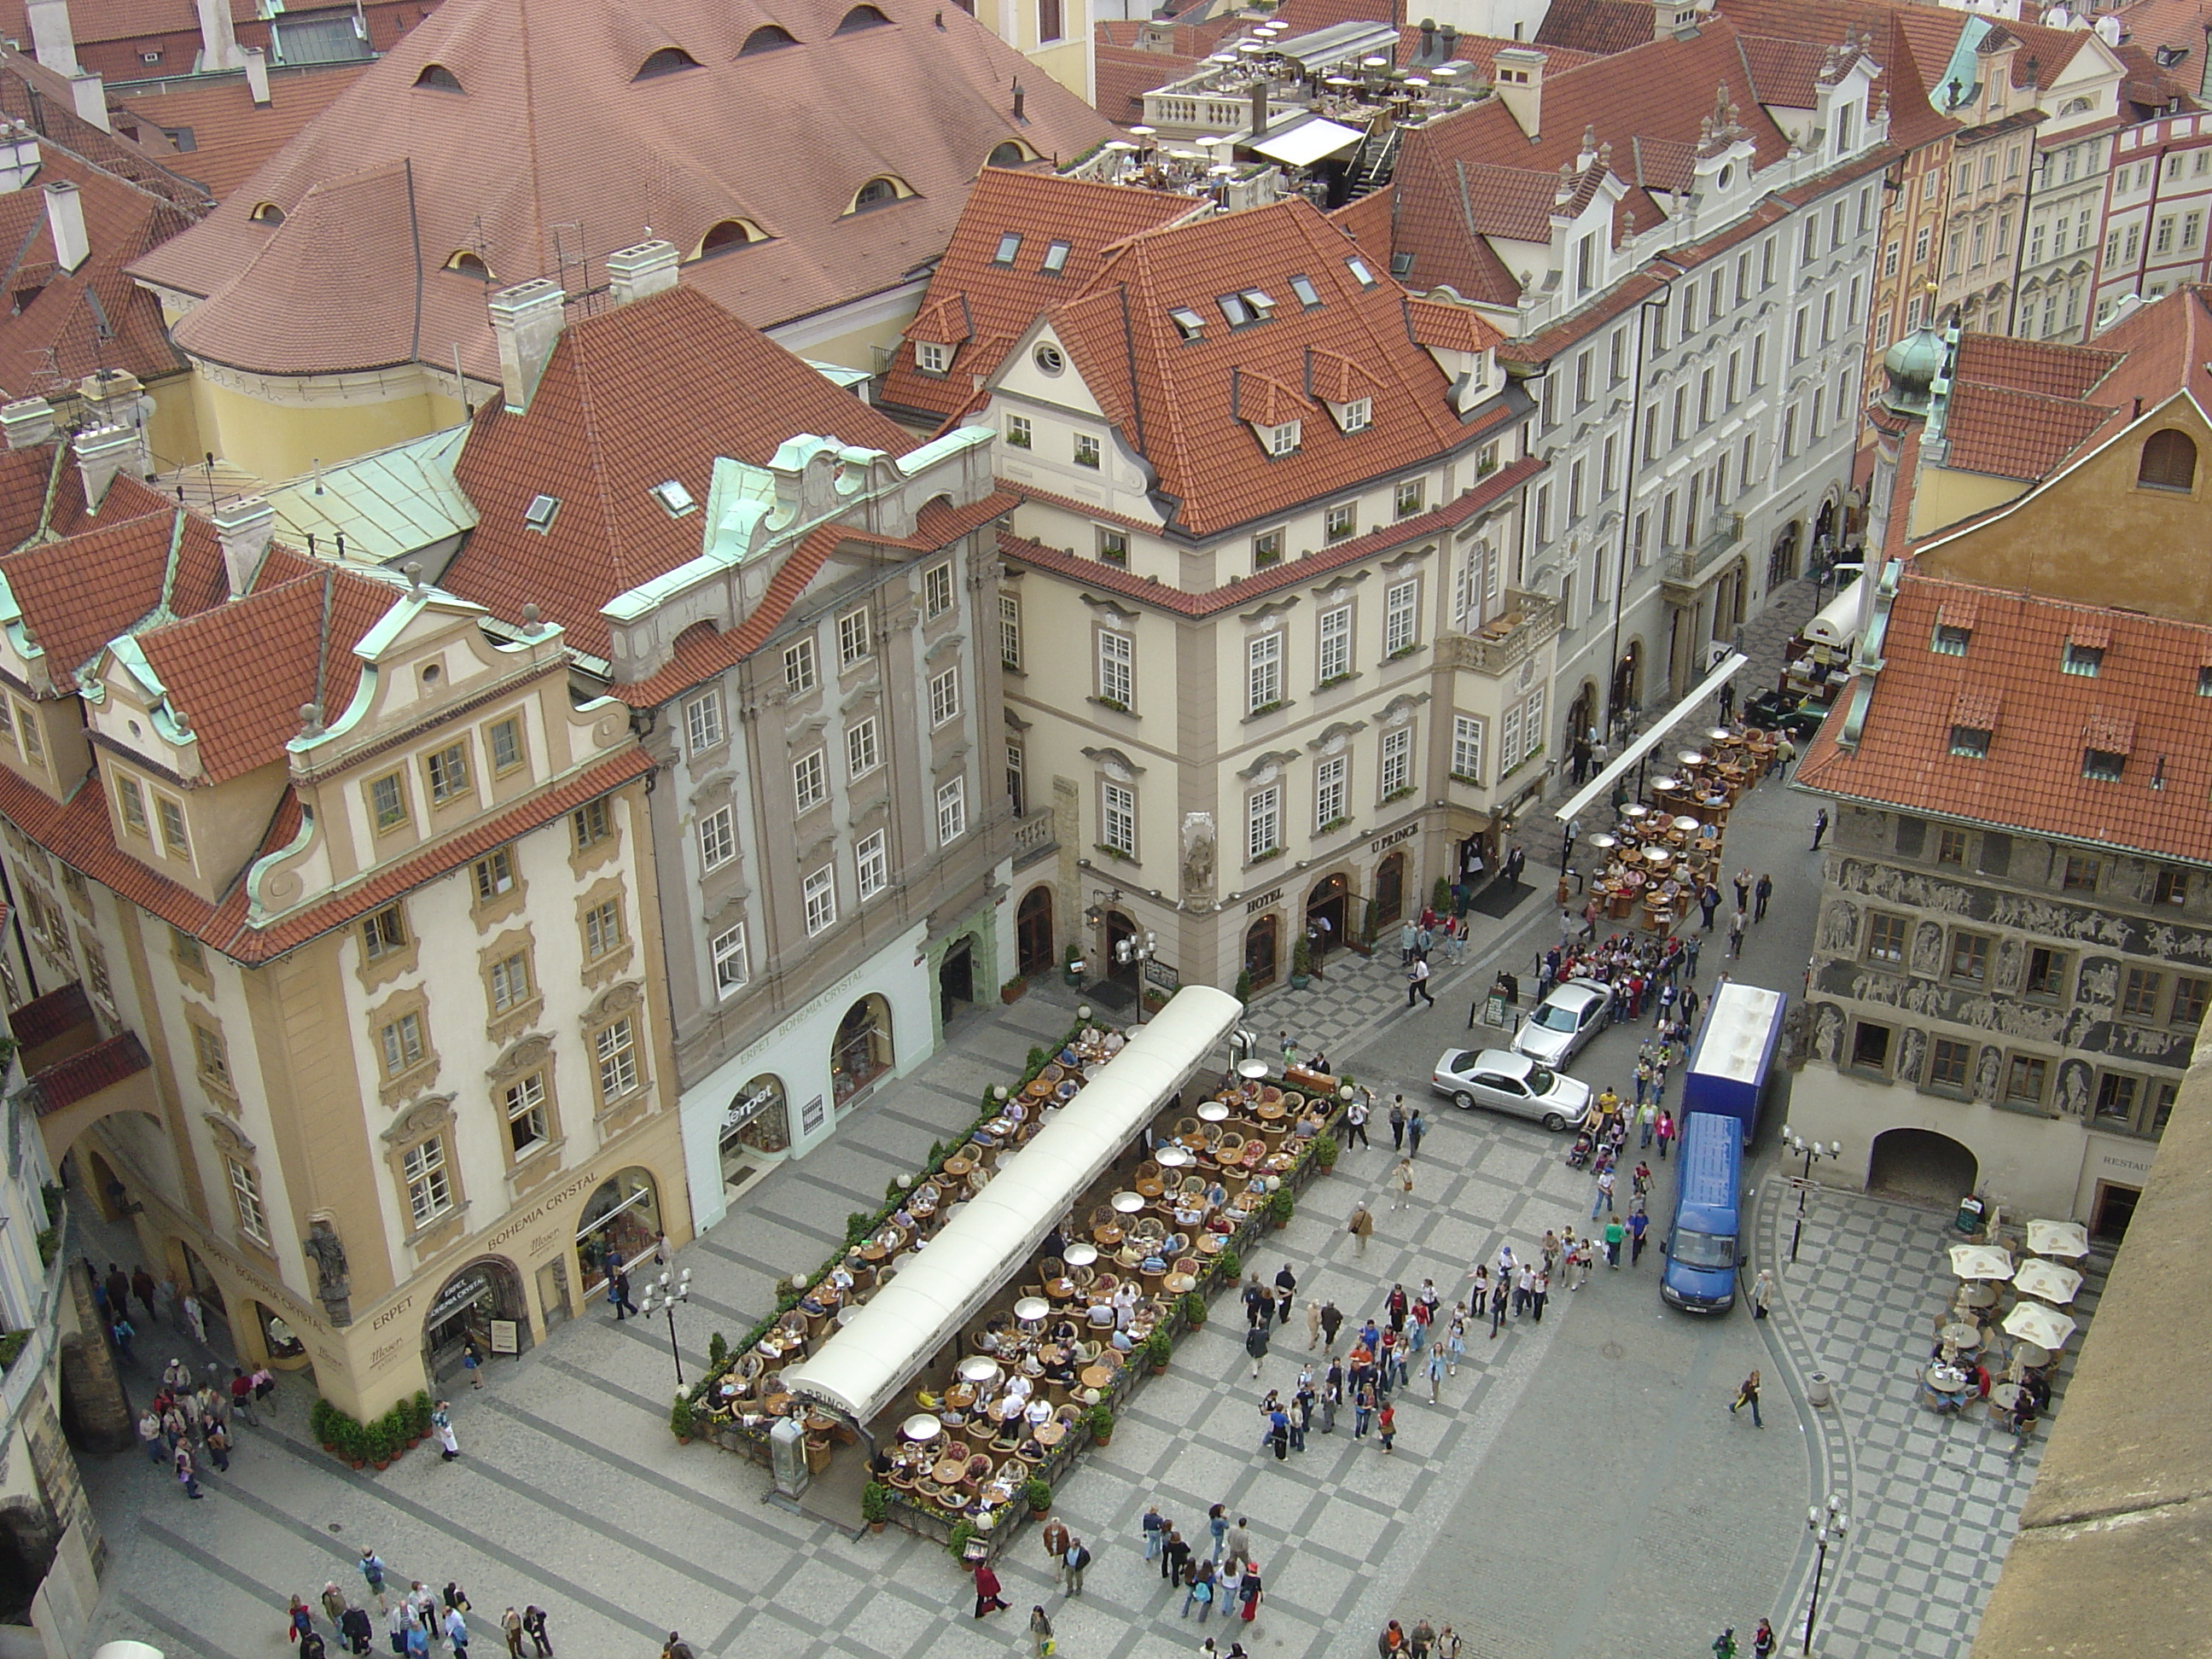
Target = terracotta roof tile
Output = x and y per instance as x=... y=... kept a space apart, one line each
x=78 y=593
x=2051 y=368
x=230 y=136
x=1977 y=709
x=1600 y=27
x=1306 y=16
x=1481 y=51
x=553 y=139
x=123 y=19
x=2142 y=702
x=1121 y=76
x=1176 y=400
x=976 y=301
x=56 y=1013
x=2016 y=434
x=651 y=391
x=85 y=1073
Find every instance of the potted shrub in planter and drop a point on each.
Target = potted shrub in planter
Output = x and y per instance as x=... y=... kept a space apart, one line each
x=875 y=1504
x=1100 y=1418
x=1013 y=989
x=681 y=1423
x=1279 y=1207
x=1193 y=1309
x=963 y=1532
x=1037 y=1492
x=1159 y=1346
x=1301 y=964
x=1325 y=1151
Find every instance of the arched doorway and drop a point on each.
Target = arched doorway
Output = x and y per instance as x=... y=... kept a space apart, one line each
x=1327 y=905
x=463 y=1312
x=28 y=1538
x=1390 y=888
x=755 y=1126
x=1033 y=931
x=1920 y=1165
x=864 y=1050
x=1263 y=948
x=619 y=1225
x=202 y=1283
x=1120 y=927
x=1824 y=527
x=1626 y=691
x=956 y=978
x=1781 y=556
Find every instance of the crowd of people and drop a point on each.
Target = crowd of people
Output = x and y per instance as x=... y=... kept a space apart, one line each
x=417 y=1619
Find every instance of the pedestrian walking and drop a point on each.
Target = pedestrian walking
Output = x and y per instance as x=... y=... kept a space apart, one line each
x=1537 y=1293
x=1709 y=900
x=987 y=1599
x=510 y=1626
x=1055 y=1541
x=618 y=1295
x=1332 y=1320
x=1155 y=1529
x=1077 y=1558
x=1414 y=1130
x=121 y=1330
x=217 y=1439
x=1615 y=1233
x=1313 y=1324
x=1217 y=1523
x=1454 y=1345
x=1664 y=1133
x=1763 y=1640
x=1398 y=1116
x=241 y=1396
x=1200 y=1593
x=1637 y=1222
x=356 y=1630
x=1820 y=827
x=1420 y=1640
x=372 y=1569
x=1255 y=1344
x=1725 y=1644
x=1286 y=1292
x=676 y=1648
x=1259 y=1306
x=533 y=1622
x=1355 y=1125
x=1762 y=1293
x=457 y=1632
x=1237 y=1543
x=1736 y=934
x=150 y=1436
x=187 y=1476
x=1391 y=1643
x=1436 y=1372
x=1386 y=1426
x=142 y=1286
x=1041 y=1638
x=335 y=1605
x=302 y=1621
x=1403 y=1179
x=1360 y=1225
x=441 y=1419
x=1760 y=895
x=195 y=1320
x=1747 y=1395
x=1175 y=1556
x=1417 y=983
x=1247 y=1590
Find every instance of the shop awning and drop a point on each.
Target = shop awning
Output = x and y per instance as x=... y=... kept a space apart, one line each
x=1302 y=145
x=869 y=1362
x=1837 y=625
x=1724 y=671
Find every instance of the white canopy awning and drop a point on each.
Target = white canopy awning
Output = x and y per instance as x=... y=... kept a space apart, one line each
x=871 y=1360
x=1722 y=672
x=1837 y=625
x=1303 y=145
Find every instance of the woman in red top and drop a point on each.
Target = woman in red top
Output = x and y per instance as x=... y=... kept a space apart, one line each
x=1249 y=1589
x=987 y=1590
x=1392 y=1642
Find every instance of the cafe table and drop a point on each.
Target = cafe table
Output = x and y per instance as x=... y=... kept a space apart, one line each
x=1212 y=1111
x=1080 y=1256
x=1128 y=1203
x=922 y=1428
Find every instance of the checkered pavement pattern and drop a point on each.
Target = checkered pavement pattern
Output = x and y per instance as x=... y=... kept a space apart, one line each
x=1933 y=1500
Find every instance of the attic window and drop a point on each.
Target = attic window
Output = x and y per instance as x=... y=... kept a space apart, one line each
x=1358 y=267
x=1950 y=641
x=1263 y=305
x=1055 y=259
x=267 y=213
x=1971 y=742
x=727 y=234
x=439 y=78
x=2102 y=765
x=1280 y=439
x=2204 y=681
x=767 y=37
x=1309 y=295
x=931 y=358
x=878 y=192
x=1356 y=415
x=1402 y=265
x=1187 y=322
x=469 y=264
x=2083 y=659
x=1234 y=308
x=862 y=17
x=671 y=495
x=1009 y=153
x=538 y=515
x=669 y=60
x=1010 y=244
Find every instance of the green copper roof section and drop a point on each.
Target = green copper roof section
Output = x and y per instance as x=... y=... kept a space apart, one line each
x=387 y=505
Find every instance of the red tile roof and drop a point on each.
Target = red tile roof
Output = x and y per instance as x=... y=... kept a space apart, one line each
x=648 y=391
x=1306 y=16
x=984 y=306
x=85 y=1073
x=222 y=136
x=56 y=1013
x=2049 y=368
x=1481 y=51
x=1599 y=27
x=2142 y=702
x=122 y=20
x=1121 y=76
x=1159 y=596
x=2016 y=434
x=555 y=151
x=1177 y=402
x=79 y=592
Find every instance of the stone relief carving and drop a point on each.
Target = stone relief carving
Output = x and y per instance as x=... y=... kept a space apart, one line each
x=333 y=1284
x=1828 y=1032
x=1985 y=1074
x=1839 y=926
x=2011 y=953
x=1928 y=949
x=1197 y=853
x=2074 y=1089
x=1910 y=1046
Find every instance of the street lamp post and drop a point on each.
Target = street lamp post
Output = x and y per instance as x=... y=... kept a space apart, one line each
x=1139 y=951
x=673 y=1290
x=1809 y=1151
x=1827 y=1526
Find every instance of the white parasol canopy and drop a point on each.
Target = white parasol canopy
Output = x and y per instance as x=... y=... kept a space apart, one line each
x=2047 y=1327
x=2066 y=1238
x=1980 y=1261
x=2046 y=1280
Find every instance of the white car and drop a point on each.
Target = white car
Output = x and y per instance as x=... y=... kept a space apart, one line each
x=1511 y=1083
x=1565 y=1020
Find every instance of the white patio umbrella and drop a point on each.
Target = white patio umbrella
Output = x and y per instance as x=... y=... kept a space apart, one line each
x=2046 y=1280
x=2047 y=1327
x=2066 y=1238
x=1980 y=1261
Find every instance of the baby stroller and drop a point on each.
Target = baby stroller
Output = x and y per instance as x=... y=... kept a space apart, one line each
x=1578 y=1156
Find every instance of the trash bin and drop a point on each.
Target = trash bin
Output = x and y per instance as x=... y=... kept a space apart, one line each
x=1970 y=1215
x=1817 y=1389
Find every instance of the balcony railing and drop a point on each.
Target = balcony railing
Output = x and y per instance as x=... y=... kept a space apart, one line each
x=1034 y=838
x=1530 y=622
x=1693 y=564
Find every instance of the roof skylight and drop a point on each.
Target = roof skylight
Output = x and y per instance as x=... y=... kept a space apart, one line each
x=1055 y=259
x=538 y=515
x=671 y=495
x=1187 y=322
x=1010 y=244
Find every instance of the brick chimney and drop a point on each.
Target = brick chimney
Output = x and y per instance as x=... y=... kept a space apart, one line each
x=65 y=220
x=53 y=43
x=112 y=396
x=526 y=321
x=103 y=451
x=27 y=423
x=1519 y=72
x=218 y=41
x=257 y=75
x=634 y=273
x=88 y=96
x=245 y=527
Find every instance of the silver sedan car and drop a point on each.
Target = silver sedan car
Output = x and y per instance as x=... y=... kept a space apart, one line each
x=1511 y=1083
x=1563 y=1021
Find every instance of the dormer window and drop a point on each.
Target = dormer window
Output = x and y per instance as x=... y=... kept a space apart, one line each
x=1354 y=417
x=931 y=358
x=1309 y=295
x=1009 y=153
x=1359 y=271
x=2204 y=681
x=1233 y=307
x=669 y=60
x=862 y=17
x=727 y=234
x=1950 y=641
x=2087 y=660
x=1973 y=741
x=1009 y=245
x=438 y=78
x=1055 y=259
x=1280 y=439
x=674 y=497
x=2102 y=765
x=767 y=37
x=1188 y=323
x=878 y=192
x=538 y=515
x=1263 y=306
x=468 y=262
x=267 y=213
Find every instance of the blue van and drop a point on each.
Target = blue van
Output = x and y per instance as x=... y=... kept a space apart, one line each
x=1701 y=1247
